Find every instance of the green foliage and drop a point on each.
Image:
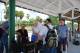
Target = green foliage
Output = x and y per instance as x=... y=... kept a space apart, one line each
x=38 y=17
x=19 y=14
x=27 y=23
x=28 y=16
x=54 y=19
x=30 y=22
x=70 y=25
x=6 y=16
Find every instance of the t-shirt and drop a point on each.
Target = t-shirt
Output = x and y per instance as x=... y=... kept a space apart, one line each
x=43 y=31
x=23 y=35
x=35 y=34
x=1 y=32
x=62 y=31
x=35 y=30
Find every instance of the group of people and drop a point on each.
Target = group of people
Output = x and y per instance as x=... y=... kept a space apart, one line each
x=41 y=29
x=39 y=33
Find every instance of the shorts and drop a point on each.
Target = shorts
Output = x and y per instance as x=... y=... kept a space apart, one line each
x=62 y=42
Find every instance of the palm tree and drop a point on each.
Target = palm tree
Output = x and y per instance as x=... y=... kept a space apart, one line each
x=28 y=16
x=6 y=11
x=55 y=20
x=19 y=14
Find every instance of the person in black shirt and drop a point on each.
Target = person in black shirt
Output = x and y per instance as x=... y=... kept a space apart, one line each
x=1 y=32
x=1 y=43
x=22 y=38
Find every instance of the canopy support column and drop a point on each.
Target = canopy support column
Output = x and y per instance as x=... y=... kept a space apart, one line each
x=12 y=21
x=60 y=15
x=72 y=22
x=79 y=24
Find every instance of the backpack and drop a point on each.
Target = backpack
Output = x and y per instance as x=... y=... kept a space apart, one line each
x=51 y=39
x=76 y=42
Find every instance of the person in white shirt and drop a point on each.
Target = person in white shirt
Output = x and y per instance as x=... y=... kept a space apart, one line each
x=35 y=31
x=42 y=31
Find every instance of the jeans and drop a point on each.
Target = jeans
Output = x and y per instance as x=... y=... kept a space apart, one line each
x=4 y=41
x=1 y=46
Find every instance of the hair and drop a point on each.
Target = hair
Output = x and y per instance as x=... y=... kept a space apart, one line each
x=23 y=25
x=61 y=19
x=49 y=20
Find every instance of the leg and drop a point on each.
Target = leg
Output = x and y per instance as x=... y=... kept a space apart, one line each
x=59 y=47
x=39 y=45
x=64 y=44
x=6 y=47
x=1 y=47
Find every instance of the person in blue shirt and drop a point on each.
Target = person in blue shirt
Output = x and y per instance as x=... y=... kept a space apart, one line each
x=62 y=31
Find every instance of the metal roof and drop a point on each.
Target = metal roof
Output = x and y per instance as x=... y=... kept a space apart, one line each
x=51 y=7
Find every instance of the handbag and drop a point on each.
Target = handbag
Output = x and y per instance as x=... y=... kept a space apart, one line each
x=33 y=38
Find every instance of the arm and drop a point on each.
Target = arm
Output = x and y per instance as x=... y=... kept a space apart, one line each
x=26 y=34
x=67 y=31
x=18 y=33
x=57 y=29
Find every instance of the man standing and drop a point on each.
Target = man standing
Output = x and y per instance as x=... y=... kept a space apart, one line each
x=22 y=38
x=1 y=43
x=62 y=31
x=5 y=27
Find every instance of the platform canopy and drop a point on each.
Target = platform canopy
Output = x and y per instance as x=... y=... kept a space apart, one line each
x=50 y=7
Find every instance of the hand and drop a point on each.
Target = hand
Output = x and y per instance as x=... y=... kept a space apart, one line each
x=36 y=41
x=18 y=34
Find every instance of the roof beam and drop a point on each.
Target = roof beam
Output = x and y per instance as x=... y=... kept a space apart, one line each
x=66 y=2
x=29 y=7
x=60 y=6
x=67 y=10
x=49 y=4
